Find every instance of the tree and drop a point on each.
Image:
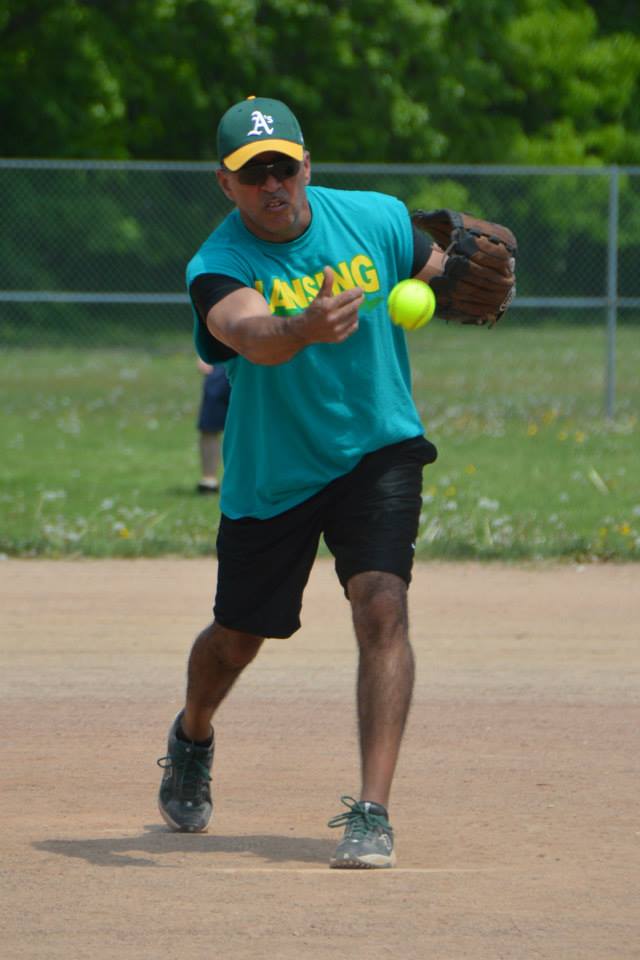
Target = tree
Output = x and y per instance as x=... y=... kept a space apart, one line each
x=456 y=81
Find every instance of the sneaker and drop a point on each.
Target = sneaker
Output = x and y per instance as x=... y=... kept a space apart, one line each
x=368 y=836
x=185 y=796
x=208 y=486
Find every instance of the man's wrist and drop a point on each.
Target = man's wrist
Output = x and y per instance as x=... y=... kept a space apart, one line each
x=293 y=328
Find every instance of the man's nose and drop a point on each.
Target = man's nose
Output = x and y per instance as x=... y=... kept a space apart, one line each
x=271 y=183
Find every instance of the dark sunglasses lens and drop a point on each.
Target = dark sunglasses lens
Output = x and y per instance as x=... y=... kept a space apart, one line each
x=252 y=175
x=259 y=172
x=285 y=169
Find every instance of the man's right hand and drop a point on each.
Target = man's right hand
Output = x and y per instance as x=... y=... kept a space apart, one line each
x=242 y=320
x=328 y=318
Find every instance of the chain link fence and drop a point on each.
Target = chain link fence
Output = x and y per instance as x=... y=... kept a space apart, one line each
x=95 y=251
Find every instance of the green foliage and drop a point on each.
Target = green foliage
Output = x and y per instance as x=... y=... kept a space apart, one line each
x=554 y=81
x=580 y=102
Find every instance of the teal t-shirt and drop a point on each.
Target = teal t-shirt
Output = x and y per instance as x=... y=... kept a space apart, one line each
x=294 y=427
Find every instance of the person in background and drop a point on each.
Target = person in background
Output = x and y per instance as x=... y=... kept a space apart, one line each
x=211 y=420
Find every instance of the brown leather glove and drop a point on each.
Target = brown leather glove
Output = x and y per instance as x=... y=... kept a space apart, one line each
x=478 y=282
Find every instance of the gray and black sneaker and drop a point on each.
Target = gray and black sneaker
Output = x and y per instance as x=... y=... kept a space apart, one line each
x=185 y=796
x=368 y=836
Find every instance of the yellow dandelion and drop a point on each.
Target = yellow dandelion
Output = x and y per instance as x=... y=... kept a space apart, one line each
x=563 y=435
x=470 y=469
x=450 y=491
x=549 y=416
x=532 y=429
x=124 y=532
x=580 y=437
x=624 y=529
x=602 y=532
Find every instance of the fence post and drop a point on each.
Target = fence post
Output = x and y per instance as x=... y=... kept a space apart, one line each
x=612 y=291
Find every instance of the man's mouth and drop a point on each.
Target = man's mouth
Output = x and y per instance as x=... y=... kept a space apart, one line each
x=276 y=203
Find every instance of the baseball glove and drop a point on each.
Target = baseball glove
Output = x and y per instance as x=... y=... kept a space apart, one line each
x=478 y=282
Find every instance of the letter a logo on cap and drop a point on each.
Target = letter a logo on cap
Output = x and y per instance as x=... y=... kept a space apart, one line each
x=261 y=124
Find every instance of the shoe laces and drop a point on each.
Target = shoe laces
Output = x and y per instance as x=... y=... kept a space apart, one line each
x=358 y=820
x=190 y=773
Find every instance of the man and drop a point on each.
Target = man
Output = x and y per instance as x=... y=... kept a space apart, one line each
x=322 y=438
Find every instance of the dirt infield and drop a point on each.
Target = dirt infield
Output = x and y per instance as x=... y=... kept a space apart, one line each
x=515 y=803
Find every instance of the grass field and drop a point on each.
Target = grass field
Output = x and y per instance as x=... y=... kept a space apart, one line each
x=99 y=452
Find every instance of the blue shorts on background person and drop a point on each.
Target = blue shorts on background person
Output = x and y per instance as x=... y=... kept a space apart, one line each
x=211 y=420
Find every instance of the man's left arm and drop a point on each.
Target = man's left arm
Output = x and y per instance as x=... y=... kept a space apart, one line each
x=434 y=265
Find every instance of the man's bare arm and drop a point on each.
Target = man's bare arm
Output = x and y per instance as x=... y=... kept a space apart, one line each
x=434 y=265
x=242 y=321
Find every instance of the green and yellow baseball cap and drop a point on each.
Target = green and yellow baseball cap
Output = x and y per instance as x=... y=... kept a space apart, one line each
x=254 y=126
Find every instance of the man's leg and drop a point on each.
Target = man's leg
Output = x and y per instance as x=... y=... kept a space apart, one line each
x=217 y=659
x=385 y=676
x=385 y=685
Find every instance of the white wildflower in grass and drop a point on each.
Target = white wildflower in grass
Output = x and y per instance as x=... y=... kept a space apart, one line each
x=635 y=511
x=107 y=504
x=131 y=512
x=72 y=536
x=70 y=423
x=48 y=495
x=485 y=503
x=432 y=531
x=61 y=531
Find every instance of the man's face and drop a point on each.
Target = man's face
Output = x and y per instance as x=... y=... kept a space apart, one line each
x=274 y=209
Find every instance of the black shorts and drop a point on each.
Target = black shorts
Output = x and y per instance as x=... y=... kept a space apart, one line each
x=368 y=517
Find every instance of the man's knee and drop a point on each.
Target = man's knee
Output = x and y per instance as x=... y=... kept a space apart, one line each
x=233 y=649
x=379 y=606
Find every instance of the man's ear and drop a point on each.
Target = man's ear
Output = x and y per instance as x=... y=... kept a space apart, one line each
x=224 y=182
x=306 y=161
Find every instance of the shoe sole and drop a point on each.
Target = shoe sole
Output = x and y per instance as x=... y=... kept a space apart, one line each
x=176 y=827
x=371 y=861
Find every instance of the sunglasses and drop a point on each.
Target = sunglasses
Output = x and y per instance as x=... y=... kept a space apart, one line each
x=256 y=174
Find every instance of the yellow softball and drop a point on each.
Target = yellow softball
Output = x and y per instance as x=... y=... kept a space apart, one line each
x=411 y=304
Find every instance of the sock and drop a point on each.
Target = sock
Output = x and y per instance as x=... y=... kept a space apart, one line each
x=375 y=808
x=180 y=734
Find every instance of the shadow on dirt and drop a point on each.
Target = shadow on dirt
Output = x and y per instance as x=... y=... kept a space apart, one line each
x=147 y=849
